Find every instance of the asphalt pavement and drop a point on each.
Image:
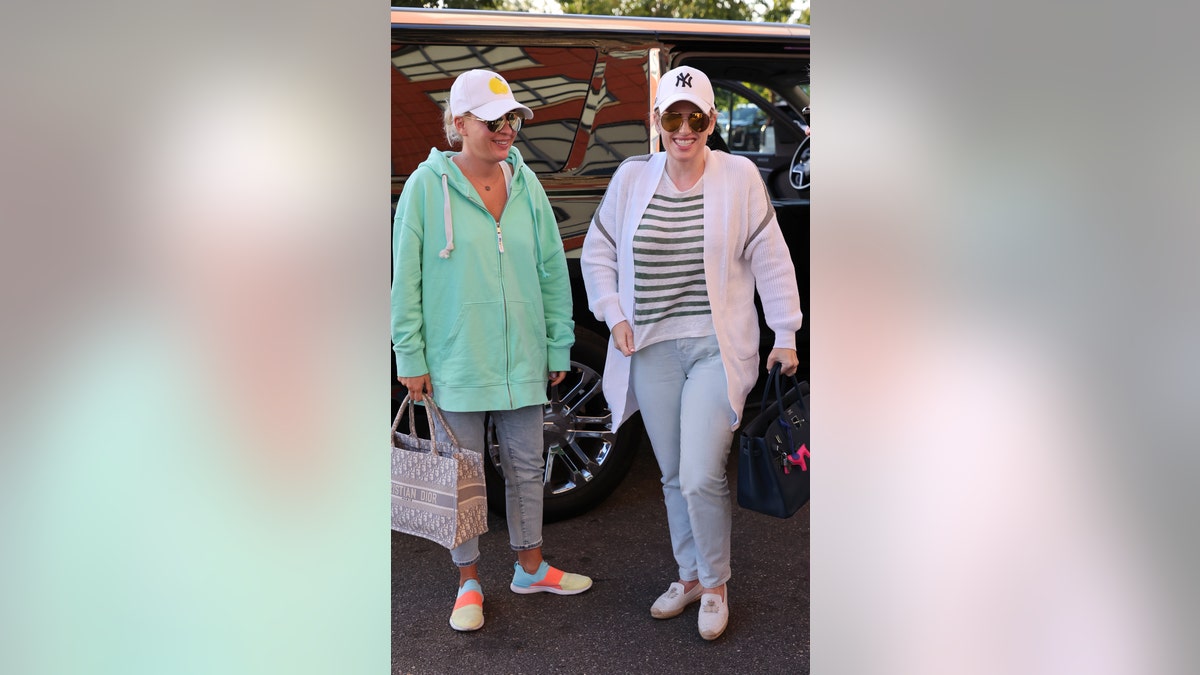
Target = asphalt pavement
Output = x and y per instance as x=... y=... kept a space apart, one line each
x=624 y=546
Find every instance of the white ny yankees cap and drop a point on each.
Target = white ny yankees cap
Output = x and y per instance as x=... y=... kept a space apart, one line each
x=684 y=84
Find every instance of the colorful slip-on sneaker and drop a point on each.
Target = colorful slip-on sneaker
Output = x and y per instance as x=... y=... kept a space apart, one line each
x=468 y=608
x=548 y=580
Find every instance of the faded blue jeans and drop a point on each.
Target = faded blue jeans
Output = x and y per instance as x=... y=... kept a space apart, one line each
x=520 y=434
x=681 y=389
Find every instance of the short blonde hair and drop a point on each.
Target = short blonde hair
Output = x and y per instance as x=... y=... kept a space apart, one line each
x=452 y=134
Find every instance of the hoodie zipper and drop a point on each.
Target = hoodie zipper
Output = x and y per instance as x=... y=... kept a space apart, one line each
x=503 y=295
x=499 y=234
x=504 y=304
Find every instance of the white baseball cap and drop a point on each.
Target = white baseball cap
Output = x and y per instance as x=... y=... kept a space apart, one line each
x=485 y=95
x=684 y=84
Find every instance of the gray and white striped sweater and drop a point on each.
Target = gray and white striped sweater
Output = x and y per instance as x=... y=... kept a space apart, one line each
x=669 y=294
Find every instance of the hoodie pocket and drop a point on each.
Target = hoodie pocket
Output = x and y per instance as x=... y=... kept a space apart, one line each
x=526 y=342
x=472 y=353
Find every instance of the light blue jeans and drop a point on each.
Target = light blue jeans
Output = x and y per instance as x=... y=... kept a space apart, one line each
x=520 y=434
x=681 y=389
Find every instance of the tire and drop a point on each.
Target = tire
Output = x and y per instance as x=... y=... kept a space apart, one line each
x=585 y=461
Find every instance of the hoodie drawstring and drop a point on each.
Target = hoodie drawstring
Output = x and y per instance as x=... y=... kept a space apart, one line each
x=447 y=218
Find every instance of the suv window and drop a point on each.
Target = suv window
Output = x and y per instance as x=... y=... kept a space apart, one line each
x=742 y=123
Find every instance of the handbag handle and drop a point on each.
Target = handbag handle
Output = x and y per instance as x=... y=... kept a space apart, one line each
x=406 y=404
x=431 y=411
x=773 y=381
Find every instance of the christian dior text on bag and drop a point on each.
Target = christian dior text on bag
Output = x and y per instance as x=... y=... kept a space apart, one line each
x=437 y=488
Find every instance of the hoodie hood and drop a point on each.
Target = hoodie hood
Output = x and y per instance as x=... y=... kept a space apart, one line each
x=439 y=161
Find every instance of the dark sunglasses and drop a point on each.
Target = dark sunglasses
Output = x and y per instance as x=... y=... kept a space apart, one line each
x=512 y=119
x=671 y=121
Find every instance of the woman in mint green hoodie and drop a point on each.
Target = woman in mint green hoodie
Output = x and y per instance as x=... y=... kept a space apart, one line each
x=481 y=314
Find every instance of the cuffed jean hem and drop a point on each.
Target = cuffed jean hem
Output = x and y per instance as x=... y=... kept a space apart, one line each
x=467 y=564
x=718 y=585
x=696 y=577
x=530 y=547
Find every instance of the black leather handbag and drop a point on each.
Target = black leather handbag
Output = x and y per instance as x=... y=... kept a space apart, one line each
x=773 y=456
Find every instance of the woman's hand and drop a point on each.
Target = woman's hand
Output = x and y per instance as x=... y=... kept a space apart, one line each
x=622 y=337
x=417 y=386
x=786 y=358
x=557 y=377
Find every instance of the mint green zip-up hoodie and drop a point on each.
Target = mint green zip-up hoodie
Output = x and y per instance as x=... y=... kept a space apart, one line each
x=486 y=314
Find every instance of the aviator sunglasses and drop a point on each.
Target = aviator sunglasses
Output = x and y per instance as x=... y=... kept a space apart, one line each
x=512 y=119
x=671 y=121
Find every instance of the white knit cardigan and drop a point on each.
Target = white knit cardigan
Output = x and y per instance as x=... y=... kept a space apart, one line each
x=743 y=248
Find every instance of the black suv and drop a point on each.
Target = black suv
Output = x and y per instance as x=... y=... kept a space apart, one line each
x=590 y=81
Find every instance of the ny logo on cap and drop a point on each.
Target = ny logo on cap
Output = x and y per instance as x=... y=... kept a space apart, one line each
x=683 y=80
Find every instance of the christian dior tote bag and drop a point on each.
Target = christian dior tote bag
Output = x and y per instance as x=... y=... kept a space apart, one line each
x=437 y=488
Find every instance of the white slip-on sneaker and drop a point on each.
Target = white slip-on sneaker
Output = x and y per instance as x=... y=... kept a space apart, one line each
x=714 y=615
x=672 y=602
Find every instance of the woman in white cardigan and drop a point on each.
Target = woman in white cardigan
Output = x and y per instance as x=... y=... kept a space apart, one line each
x=671 y=262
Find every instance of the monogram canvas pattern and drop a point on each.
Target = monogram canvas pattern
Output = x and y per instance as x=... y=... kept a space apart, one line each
x=438 y=495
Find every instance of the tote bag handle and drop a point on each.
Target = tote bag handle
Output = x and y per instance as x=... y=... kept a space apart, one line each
x=431 y=411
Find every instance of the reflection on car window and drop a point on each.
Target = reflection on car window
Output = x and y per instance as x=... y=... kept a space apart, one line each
x=615 y=122
x=553 y=81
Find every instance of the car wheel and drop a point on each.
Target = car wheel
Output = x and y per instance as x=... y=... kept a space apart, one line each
x=585 y=460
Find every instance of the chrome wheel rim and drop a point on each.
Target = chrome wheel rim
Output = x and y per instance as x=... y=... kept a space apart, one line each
x=577 y=432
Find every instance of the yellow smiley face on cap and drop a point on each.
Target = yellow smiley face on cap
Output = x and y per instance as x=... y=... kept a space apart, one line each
x=497 y=86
